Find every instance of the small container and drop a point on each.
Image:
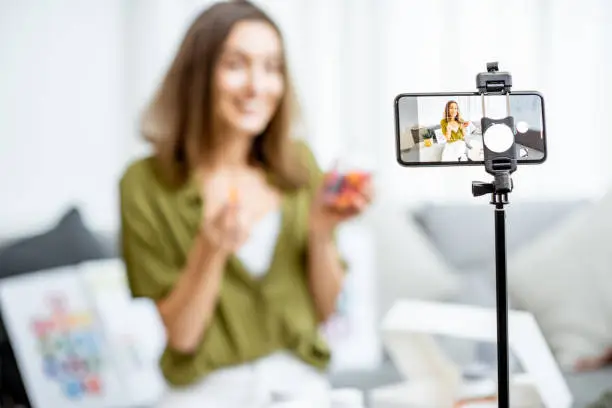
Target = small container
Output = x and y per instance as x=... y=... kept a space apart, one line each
x=346 y=182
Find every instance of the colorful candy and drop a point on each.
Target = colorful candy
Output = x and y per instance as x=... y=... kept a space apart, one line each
x=342 y=190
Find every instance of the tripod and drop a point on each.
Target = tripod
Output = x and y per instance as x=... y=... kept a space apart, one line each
x=501 y=163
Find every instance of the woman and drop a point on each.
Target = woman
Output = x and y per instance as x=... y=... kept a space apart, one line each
x=226 y=189
x=453 y=125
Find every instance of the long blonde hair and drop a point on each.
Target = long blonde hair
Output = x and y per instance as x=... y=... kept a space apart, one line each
x=447 y=113
x=178 y=121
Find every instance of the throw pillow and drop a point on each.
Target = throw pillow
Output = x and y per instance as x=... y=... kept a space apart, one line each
x=68 y=243
x=563 y=277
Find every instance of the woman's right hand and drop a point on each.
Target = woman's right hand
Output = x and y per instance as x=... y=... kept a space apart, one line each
x=225 y=232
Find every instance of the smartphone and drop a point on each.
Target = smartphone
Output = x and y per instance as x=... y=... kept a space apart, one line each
x=445 y=128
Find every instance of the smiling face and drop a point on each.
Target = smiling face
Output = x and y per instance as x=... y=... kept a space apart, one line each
x=249 y=81
x=228 y=87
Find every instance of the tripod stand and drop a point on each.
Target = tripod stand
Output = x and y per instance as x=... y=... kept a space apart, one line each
x=501 y=163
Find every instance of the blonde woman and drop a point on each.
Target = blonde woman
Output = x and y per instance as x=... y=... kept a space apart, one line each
x=224 y=226
x=452 y=125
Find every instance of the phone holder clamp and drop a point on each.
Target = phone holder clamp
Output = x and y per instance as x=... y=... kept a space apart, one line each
x=493 y=81
x=500 y=154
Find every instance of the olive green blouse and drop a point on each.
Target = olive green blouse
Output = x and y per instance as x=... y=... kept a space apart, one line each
x=254 y=316
x=455 y=135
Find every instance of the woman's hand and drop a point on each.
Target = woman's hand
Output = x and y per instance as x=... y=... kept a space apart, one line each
x=325 y=216
x=226 y=231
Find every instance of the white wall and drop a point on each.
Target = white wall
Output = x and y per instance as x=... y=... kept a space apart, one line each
x=62 y=115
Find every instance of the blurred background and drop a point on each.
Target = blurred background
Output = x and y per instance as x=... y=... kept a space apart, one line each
x=75 y=75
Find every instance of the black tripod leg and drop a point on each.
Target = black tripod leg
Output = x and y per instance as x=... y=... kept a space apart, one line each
x=503 y=373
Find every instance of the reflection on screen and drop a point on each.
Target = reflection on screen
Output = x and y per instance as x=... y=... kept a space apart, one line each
x=448 y=128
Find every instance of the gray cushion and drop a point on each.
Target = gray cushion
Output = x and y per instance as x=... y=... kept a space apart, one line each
x=68 y=243
x=465 y=233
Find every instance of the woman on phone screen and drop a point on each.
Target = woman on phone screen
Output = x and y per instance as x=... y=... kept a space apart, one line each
x=452 y=125
x=224 y=225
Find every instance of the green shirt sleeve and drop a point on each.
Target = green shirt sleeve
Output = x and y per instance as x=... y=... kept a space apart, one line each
x=150 y=272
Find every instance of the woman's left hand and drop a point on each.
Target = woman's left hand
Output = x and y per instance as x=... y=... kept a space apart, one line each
x=325 y=217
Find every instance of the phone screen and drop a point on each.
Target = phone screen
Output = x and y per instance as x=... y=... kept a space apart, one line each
x=445 y=129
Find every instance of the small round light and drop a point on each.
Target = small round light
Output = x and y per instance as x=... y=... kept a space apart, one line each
x=522 y=127
x=498 y=138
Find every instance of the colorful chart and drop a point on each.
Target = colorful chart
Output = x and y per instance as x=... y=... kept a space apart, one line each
x=70 y=348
